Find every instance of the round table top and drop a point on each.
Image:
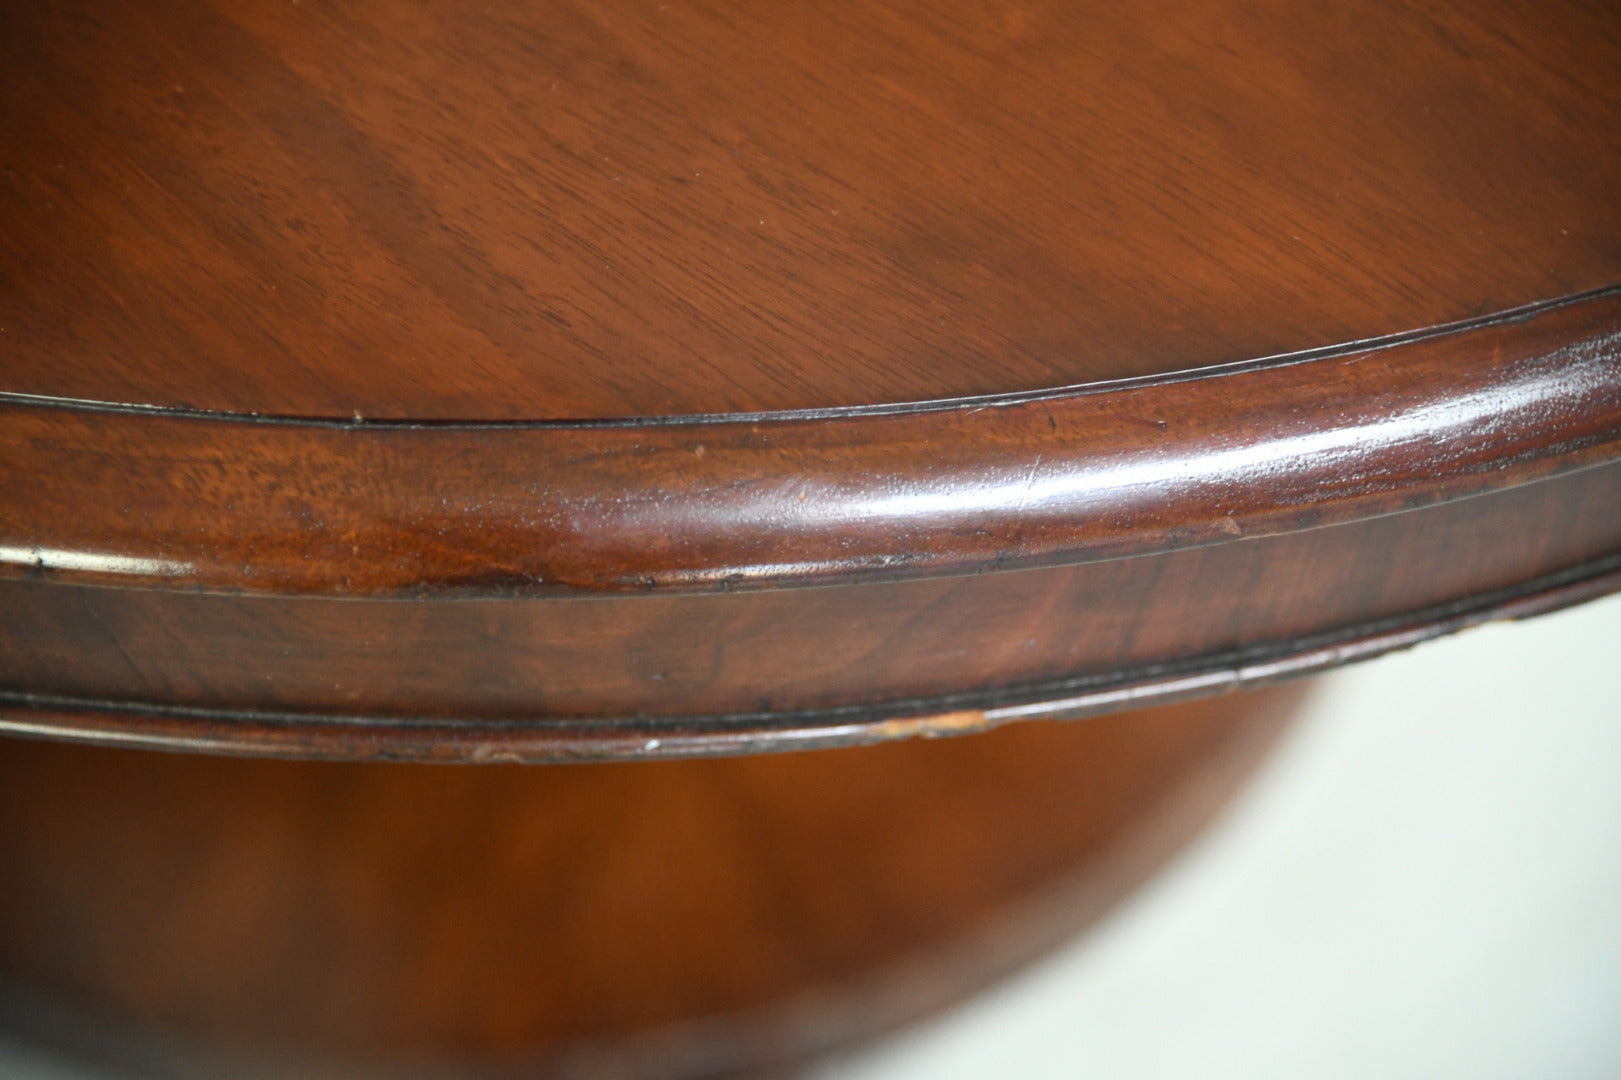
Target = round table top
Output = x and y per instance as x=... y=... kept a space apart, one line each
x=523 y=364
x=569 y=211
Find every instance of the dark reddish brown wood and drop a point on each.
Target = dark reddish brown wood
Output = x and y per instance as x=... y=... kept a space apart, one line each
x=1107 y=471
x=410 y=209
x=292 y=913
x=533 y=382
x=255 y=258
x=548 y=677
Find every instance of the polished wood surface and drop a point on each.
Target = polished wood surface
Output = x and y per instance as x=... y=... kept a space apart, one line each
x=368 y=509
x=586 y=210
x=379 y=382
x=540 y=382
x=627 y=920
x=692 y=673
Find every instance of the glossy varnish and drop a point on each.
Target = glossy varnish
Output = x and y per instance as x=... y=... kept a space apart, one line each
x=360 y=399
x=412 y=209
x=194 y=917
x=653 y=675
x=378 y=509
x=547 y=381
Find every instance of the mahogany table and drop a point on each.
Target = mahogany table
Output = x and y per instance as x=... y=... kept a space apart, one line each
x=583 y=382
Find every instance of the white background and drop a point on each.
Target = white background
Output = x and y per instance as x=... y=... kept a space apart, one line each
x=1424 y=881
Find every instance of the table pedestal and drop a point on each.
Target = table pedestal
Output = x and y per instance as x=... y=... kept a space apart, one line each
x=186 y=915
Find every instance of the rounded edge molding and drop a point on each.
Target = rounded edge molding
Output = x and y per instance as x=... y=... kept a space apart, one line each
x=123 y=498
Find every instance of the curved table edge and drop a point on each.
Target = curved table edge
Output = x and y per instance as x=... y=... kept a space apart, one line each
x=364 y=738
x=188 y=502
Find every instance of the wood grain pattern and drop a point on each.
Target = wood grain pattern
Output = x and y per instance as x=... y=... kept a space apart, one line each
x=542 y=381
x=383 y=370
x=615 y=209
x=365 y=509
x=559 y=677
x=294 y=917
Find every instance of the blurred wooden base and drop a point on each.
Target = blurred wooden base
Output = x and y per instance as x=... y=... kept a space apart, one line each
x=181 y=916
